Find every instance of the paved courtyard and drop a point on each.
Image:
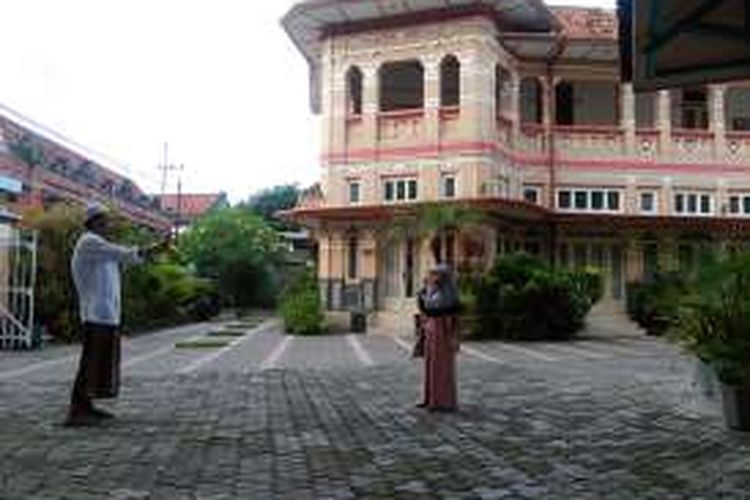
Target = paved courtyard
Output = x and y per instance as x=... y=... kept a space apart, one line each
x=270 y=416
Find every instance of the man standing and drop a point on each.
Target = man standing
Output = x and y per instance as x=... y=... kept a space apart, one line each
x=96 y=272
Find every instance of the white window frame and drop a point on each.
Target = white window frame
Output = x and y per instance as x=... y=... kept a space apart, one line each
x=443 y=191
x=655 y=209
x=350 y=183
x=532 y=189
x=588 y=193
x=405 y=183
x=687 y=195
x=741 y=198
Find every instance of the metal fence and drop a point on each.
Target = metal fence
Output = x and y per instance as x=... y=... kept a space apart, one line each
x=18 y=264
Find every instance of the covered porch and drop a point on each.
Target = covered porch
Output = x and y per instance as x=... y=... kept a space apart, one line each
x=373 y=259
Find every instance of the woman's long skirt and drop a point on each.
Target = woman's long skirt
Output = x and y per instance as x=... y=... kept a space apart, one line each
x=441 y=343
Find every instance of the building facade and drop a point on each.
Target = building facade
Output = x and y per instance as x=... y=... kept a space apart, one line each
x=515 y=109
x=39 y=167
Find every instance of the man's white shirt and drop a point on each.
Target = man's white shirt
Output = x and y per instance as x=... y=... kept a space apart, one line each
x=96 y=273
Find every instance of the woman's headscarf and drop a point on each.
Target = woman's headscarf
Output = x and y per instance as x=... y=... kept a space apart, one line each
x=445 y=296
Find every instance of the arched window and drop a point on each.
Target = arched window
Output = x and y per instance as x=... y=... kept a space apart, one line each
x=531 y=100
x=503 y=94
x=401 y=85
x=737 y=108
x=450 y=81
x=587 y=103
x=690 y=108
x=354 y=91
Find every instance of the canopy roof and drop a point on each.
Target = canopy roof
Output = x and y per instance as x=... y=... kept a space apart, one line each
x=310 y=21
x=681 y=43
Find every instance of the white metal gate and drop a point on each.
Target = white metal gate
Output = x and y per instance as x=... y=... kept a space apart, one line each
x=18 y=263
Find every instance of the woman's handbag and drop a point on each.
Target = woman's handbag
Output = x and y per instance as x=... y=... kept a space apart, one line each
x=418 y=350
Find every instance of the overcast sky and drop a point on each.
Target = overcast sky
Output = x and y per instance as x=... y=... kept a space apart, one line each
x=218 y=80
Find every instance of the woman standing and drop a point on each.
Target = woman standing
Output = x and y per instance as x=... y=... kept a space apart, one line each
x=439 y=305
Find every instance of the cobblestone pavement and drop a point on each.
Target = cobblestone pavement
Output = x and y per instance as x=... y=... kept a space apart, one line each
x=332 y=417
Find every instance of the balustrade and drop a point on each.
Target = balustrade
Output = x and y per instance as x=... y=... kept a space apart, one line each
x=401 y=127
x=738 y=148
x=692 y=146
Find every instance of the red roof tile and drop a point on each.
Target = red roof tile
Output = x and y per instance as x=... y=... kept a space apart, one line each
x=587 y=23
x=191 y=205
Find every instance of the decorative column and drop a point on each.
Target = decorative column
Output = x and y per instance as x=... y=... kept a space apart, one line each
x=432 y=83
x=718 y=123
x=627 y=116
x=664 y=122
x=514 y=112
x=370 y=104
x=633 y=260
x=333 y=102
x=337 y=249
x=477 y=120
x=368 y=268
x=324 y=268
x=548 y=102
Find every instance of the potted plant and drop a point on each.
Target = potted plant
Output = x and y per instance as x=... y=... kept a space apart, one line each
x=713 y=322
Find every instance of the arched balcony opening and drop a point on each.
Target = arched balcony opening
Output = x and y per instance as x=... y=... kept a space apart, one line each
x=531 y=101
x=450 y=82
x=587 y=103
x=690 y=108
x=503 y=91
x=737 y=109
x=645 y=110
x=401 y=86
x=354 y=81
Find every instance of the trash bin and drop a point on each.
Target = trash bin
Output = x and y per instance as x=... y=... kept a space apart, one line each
x=358 y=323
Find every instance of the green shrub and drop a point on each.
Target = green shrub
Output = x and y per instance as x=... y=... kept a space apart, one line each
x=590 y=283
x=240 y=252
x=162 y=294
x=522 y=298
x=713 y=319
x=300 y=308
x=654 y=304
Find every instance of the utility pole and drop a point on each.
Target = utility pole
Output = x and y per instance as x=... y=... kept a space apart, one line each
x=179 y=169
x=165 y=169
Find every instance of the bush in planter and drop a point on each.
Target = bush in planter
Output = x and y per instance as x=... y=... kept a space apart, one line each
x=522 y=298
x=300 y=308
x=713 y=322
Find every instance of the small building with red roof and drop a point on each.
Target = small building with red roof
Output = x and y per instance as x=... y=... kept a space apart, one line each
x=185 y=208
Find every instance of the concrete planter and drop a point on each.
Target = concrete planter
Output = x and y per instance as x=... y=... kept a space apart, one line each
x=736 y=403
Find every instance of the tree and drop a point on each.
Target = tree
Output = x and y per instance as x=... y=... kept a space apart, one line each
x=268 y=202
x=240 y=251
x=440 y=223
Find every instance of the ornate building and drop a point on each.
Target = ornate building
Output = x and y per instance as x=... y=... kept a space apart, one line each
x=40 y=167
x=516 y=109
